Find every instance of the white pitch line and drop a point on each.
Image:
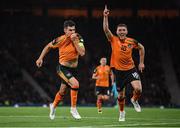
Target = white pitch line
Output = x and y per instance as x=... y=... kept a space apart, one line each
x=142 y=124
x=117 y=125
x=85 y=117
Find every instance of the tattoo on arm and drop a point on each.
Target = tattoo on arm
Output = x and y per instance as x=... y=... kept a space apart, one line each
x=108 y=35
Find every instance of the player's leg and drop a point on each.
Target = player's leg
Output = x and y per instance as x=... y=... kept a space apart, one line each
x=74 y=93
x=66 y=75
x=105 y=93
x=99 y=103
x=121 y=103
x=102 y=95
x=120 y=84
x=60 y=95
x=136 y=84
x=58 y=98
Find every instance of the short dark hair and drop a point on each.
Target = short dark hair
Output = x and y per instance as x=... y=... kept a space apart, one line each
x=69 y=23
x=122 y=25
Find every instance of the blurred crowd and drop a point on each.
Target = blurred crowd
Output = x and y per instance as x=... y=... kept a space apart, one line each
x=23 y=37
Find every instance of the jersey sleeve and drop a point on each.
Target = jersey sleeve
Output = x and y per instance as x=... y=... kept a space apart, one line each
x=136 y=44
x=56 y=42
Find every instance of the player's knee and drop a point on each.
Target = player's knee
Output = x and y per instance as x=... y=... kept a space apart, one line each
x=75 y=87
x=106 y=97
x=138 y=90
x=121 y=97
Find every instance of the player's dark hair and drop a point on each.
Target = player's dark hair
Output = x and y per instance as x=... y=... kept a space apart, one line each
x=122 y=25
x=69 y=23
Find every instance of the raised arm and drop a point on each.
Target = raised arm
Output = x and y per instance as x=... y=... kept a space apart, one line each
x=106 y=24
x=141 y=56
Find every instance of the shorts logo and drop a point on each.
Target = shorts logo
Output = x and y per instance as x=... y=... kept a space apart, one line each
x=68 y=75
x=108 y=92
x=135 y=75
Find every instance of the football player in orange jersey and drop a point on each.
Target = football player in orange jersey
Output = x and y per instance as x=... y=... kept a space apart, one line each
x=70 y=46
x=121 y=59
x=101 y=75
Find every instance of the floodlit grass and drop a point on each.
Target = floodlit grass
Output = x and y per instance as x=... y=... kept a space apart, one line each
x=38 y=117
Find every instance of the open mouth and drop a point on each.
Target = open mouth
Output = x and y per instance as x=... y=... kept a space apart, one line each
x=122 y=34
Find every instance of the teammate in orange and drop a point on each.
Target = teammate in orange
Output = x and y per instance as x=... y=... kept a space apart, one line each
x=70 y=46
x=101 y=75
x=121 y=59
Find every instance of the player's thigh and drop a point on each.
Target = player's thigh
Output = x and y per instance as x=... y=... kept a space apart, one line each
x=67 y=75
x=99 y=96
x=73 y=81
x=136 y=84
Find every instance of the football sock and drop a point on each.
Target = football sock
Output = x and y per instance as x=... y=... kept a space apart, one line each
x=136 y=95
x=74 y=93
x=121 y=103
x=57 y=99
x=99 y=103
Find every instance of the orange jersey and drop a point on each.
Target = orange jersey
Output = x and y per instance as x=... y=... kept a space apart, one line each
x=67 y=50
x=103 y=73
x=121 y=57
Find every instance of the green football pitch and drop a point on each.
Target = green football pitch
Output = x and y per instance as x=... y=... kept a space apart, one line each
x=38 y=117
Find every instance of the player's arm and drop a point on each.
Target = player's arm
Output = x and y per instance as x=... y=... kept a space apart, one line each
x=141 y=57
x=106 y=29
x=112 y=77
x=95 y=76
x=45 y=50
x=78 y=43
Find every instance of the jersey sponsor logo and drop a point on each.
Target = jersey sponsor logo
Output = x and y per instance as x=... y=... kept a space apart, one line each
x=123 y=48
x=97 y=92
x=135 y=75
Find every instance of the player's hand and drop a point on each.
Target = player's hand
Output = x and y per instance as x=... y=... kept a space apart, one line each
x=74 y=36
x=141 y=67
x=106 y=11
x=39 y=63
